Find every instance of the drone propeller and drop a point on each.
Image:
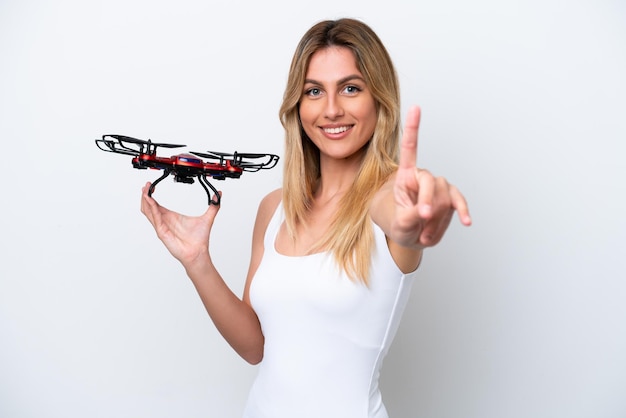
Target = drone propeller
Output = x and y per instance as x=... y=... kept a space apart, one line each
x=124 y=138
x=120 y=145
x=215 y=155
x=241 y=159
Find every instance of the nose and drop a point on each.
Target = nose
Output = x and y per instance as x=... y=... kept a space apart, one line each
x=334 y=108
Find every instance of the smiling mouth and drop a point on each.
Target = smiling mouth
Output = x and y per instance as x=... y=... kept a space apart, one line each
x=336 y=130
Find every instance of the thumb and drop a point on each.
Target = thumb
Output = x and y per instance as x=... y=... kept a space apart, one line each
x=214 y=206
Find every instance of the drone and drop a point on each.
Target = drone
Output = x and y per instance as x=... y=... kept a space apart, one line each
x=186 y=167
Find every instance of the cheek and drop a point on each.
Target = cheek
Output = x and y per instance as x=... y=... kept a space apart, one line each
x=305 y=111
x=307 y=119
x=371 y=119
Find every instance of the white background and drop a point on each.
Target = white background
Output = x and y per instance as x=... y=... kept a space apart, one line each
x=521 y=315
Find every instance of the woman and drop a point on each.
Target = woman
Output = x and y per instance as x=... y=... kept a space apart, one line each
x=334 y=252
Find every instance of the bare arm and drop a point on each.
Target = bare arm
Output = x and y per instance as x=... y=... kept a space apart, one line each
x=187 y=239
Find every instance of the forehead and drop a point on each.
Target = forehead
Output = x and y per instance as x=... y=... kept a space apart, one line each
x=332 y=63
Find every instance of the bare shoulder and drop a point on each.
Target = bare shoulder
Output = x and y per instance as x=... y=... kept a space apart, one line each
x=266 y=210
x=268 y=205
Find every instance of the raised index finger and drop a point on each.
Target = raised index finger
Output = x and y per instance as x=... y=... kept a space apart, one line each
x=408 y=145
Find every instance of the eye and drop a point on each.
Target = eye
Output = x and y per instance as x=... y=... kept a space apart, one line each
x=352 y=89
x=313 y=92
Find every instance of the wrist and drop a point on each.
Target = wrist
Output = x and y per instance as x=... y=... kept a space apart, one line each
x=197 y=265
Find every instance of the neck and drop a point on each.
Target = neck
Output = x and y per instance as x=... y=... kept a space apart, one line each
x=336 y=177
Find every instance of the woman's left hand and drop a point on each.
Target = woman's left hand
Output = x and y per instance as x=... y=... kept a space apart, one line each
x=424 y=204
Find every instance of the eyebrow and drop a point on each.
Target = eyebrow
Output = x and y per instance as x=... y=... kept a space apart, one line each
x=339 y=82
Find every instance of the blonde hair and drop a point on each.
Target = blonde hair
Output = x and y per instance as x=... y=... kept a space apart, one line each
x=350 y=236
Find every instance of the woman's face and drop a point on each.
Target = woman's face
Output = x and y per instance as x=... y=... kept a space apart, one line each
x=337 y=110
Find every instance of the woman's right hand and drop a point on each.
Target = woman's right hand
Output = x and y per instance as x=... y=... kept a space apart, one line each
x=185 y=237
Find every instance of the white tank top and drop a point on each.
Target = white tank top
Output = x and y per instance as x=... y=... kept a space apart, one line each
x=325 y=335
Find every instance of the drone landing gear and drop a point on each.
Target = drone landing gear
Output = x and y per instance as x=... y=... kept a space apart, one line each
x=204 y=183
x=186 y=179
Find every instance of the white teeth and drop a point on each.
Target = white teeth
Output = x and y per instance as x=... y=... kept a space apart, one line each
x=336 y=130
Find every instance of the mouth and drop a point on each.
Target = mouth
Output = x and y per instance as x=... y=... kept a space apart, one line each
x=337 y=129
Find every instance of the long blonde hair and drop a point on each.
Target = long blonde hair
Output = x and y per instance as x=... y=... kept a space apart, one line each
x=350 y=237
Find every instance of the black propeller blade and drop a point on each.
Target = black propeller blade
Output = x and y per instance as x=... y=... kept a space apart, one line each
x=241 y=159
x=124 y=138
